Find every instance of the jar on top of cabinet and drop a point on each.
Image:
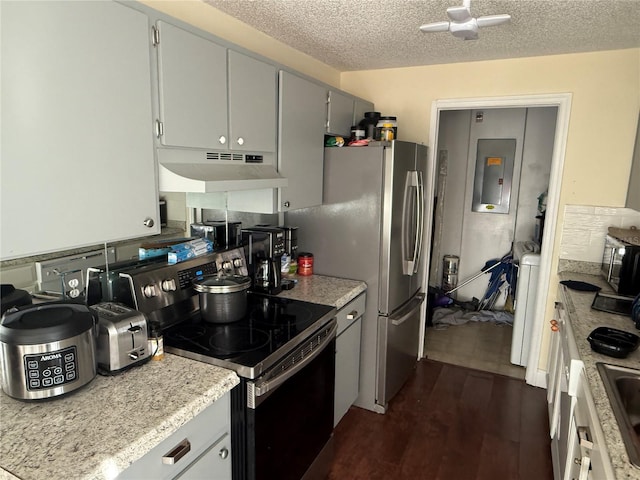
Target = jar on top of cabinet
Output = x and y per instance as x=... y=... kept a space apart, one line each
x=394 y=124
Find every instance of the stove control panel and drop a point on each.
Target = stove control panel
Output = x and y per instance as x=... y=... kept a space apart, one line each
x=169 y=285
x=232 y=262
x=157 y=286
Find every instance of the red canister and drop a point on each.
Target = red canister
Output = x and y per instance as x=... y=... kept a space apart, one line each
x=305 y=263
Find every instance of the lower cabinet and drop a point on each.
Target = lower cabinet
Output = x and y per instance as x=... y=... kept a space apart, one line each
x=348 y=356
x=577 y=441
x=588 y=458
x=199 y=449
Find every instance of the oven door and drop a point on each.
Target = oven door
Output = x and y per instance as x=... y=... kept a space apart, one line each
x=284 y=419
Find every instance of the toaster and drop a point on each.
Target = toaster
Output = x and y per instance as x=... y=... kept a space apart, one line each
x=122 y=337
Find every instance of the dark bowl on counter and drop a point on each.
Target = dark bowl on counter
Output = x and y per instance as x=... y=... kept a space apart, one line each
x=613 y=342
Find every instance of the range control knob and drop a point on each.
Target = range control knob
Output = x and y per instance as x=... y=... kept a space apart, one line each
x=226 y=265
x=169 y=285
x=237 y=262
x=149 y=291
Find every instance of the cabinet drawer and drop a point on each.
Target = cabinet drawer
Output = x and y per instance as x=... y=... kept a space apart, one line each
x=350 y=313
x=586 y=416
x=209 y=440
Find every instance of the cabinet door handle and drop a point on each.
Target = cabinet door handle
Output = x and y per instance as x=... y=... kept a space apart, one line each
x=584 y=435
x=585 y=464
x=240 y=141
x=351 y=315
x=177 y=452
x=159 y=129
x=222 y=139
x=224 y=453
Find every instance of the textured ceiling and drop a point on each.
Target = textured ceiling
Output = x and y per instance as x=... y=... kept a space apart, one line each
x=371 y=34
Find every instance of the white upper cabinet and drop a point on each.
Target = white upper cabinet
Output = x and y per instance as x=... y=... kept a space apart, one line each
x=253 y=104
x=633 y=192
x=301 y=141
x=77 y=153
x=193 y=89
x=340 y=108
x=200 y=108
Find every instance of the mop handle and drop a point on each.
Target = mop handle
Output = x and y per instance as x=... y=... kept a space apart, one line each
x=469 y=280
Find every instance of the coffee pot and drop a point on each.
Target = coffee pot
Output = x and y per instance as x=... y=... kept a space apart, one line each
x=268 y=278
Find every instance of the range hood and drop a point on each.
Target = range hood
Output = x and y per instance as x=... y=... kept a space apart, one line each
x=200 y=171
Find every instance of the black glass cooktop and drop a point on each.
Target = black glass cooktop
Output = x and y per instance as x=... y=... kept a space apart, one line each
x=272 y=327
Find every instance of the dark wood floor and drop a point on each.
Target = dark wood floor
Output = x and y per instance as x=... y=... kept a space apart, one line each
x=449 y=423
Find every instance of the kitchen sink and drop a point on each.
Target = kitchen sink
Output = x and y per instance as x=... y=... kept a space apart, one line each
x=623 y=388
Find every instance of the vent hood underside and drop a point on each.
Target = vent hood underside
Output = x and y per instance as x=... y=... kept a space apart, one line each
x=198 y=172
x=200 y=178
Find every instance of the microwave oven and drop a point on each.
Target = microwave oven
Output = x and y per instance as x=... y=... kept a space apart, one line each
x=621 y=266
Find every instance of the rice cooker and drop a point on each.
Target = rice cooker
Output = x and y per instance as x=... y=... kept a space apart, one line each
x=47 y=350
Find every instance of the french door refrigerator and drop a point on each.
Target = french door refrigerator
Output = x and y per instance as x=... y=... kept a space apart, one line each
x=370 y=228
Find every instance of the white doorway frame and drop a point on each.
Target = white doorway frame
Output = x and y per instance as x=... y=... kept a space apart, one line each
x=534 y=375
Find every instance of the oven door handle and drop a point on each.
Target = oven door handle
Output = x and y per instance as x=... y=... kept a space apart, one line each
x=262 y=387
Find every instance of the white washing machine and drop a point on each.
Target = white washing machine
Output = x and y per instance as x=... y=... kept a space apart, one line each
x=526 y=256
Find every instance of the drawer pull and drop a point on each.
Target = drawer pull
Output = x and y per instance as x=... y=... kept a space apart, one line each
x=224 y=453
x=179 y=451
x=585 y=435
x=353 y=314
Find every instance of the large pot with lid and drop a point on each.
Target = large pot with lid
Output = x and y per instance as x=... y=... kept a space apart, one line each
x=223 y=299
x=47 y=350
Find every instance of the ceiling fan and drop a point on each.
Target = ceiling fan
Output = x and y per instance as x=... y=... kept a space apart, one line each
x=462 y=24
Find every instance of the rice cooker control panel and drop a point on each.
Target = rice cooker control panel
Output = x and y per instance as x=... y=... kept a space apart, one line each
x=51 y=369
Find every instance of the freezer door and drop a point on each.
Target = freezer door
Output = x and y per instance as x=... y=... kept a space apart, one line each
x=398 y=343
x=402 y=225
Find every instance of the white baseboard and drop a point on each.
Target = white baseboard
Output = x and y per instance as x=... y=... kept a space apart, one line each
x=539 y=379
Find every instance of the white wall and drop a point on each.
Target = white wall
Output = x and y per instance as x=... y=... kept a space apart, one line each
x=487 y=236
x=453 y=145
x=536 y=167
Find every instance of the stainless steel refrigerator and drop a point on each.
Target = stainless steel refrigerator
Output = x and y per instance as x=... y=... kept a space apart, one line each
x=370 y=228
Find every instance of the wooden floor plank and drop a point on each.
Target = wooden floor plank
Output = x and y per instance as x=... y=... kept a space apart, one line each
x=448 y=423
x=499 y=458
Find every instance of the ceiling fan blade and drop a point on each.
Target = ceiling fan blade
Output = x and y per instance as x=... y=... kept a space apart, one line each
x=435 y=27
x=490 y=20
x=459 y=14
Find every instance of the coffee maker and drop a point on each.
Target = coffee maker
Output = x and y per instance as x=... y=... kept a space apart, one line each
x=263 y=248
x=291 y=241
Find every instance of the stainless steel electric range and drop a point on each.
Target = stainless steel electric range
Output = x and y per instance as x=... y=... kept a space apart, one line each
x=283 y=351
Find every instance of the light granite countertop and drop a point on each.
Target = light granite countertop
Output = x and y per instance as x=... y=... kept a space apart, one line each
x=333 y=291
x=98 y=430
x=584 y=320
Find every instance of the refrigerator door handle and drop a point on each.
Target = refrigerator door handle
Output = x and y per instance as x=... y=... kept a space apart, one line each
x=412 y=185
x=420 y=220
x=408 y=311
